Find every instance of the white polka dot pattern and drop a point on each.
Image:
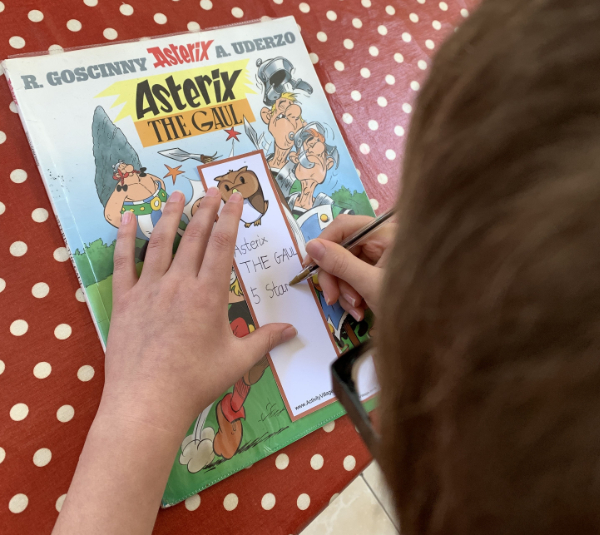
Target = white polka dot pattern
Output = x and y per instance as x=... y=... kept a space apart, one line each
x=268 y=501
x=282 y=461
x=63 y=331
x=65 y=413
x=74 y=25
x=42 y=370
x=317 y=462
x=19 y=412
x=18 y=503
x=19 y=327
x=230 y=502
x=39 y=215
x=193 y=502
x=35 y=15
x=85 y=373
x=303 y=501
x=18 y=176
x=42 y=457
x=110 y=34
x=18 y=248
x=126 y=9
x=61 y=254
x=40 y=290
x=59 y=502
x=349 y=463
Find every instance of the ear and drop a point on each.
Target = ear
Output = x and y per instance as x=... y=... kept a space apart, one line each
x=293 y=157
x=265 y=115
x=243 y=169
x=330 y=163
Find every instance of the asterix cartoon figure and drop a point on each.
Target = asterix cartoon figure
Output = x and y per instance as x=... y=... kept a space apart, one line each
x=312 y=158
x=230 y=410
x=200 y=448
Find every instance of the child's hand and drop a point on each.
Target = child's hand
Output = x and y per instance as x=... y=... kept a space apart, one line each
x=170 y=353
x=170 y=349
x=354 y=278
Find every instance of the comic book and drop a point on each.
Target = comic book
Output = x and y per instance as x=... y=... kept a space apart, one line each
x=119 y=127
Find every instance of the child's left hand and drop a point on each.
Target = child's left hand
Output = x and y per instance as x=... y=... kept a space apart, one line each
x=170 y=349
x=170 y=353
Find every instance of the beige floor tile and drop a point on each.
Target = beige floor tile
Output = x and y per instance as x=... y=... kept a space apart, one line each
x=355 y=511
x=374 y=478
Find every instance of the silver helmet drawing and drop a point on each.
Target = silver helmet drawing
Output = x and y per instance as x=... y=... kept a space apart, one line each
x=276 y=77
x=305 y=133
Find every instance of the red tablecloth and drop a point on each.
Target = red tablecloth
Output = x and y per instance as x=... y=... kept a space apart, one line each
x=371 y=56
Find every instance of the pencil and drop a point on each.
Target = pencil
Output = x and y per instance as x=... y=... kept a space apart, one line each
x=348 y=243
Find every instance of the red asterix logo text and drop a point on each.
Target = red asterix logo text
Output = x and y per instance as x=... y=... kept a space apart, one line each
x=176 y=55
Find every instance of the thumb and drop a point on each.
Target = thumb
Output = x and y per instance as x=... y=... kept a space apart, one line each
x=341 y=263
x=264 y=339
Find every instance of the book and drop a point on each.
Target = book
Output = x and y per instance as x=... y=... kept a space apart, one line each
x=121 y=126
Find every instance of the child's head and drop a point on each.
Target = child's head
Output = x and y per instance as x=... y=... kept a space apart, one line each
x=489 y=349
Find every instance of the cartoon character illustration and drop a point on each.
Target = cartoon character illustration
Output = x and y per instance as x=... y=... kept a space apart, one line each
x=199 y=449
x=121 y=181
x=283 y=119
x=312 y=158
x=282 y=112
x=283 y=116
x=276 y=77
x=245 y=182
x=230 y=411
x=138 y=192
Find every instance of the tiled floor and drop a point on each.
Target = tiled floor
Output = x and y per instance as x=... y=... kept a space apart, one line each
x=363 y=507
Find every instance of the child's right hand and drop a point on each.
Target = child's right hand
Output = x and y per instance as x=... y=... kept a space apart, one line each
x=352 y=277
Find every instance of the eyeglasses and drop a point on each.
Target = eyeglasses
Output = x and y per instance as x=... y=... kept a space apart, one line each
x=344 y=377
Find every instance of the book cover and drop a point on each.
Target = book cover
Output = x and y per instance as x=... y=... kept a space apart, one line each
x=121 y=126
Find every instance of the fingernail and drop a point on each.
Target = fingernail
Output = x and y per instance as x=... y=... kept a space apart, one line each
x=288 y=334
x=307 y=260
x=328 y=300
x=236 y=197
x=356 y=314
x=315 y=249
x=212 y=192
x=351 y=299
x=176 y=196
x=126 y=218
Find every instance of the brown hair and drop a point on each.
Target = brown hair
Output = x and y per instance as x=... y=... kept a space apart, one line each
x=489 y=359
